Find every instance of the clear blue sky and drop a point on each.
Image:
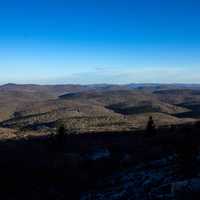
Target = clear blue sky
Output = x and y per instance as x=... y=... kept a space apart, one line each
x=99 y=41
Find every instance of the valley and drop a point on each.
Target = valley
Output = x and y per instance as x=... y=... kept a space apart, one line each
x=96 y=108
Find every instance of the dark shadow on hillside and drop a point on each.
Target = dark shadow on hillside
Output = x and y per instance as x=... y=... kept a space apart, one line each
x=39 y=168
x=119 y=108
x=35 y=168
x=194 y=113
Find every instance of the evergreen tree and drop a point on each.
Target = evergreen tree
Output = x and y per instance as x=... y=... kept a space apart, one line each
x=151 y=128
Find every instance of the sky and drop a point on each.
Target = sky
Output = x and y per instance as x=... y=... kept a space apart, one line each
x=99 y=41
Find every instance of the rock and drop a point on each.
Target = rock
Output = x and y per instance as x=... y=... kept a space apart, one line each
x=188 y=189
x=97 y=154
x=162 y=192
x=150 y=182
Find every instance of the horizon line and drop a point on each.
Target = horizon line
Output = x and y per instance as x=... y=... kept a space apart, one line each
x=120 y=84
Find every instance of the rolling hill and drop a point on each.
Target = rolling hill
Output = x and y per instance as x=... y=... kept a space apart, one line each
x=94 y=108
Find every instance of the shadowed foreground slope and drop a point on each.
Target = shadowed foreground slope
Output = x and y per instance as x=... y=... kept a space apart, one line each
x=73 y=166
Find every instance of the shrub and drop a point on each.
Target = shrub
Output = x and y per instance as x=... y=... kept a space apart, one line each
x=58 y=140
x=151 y=128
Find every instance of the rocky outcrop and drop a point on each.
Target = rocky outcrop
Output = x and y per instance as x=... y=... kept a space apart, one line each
x=149 y=181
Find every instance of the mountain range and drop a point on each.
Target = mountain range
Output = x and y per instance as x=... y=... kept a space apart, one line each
x=96 y=108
